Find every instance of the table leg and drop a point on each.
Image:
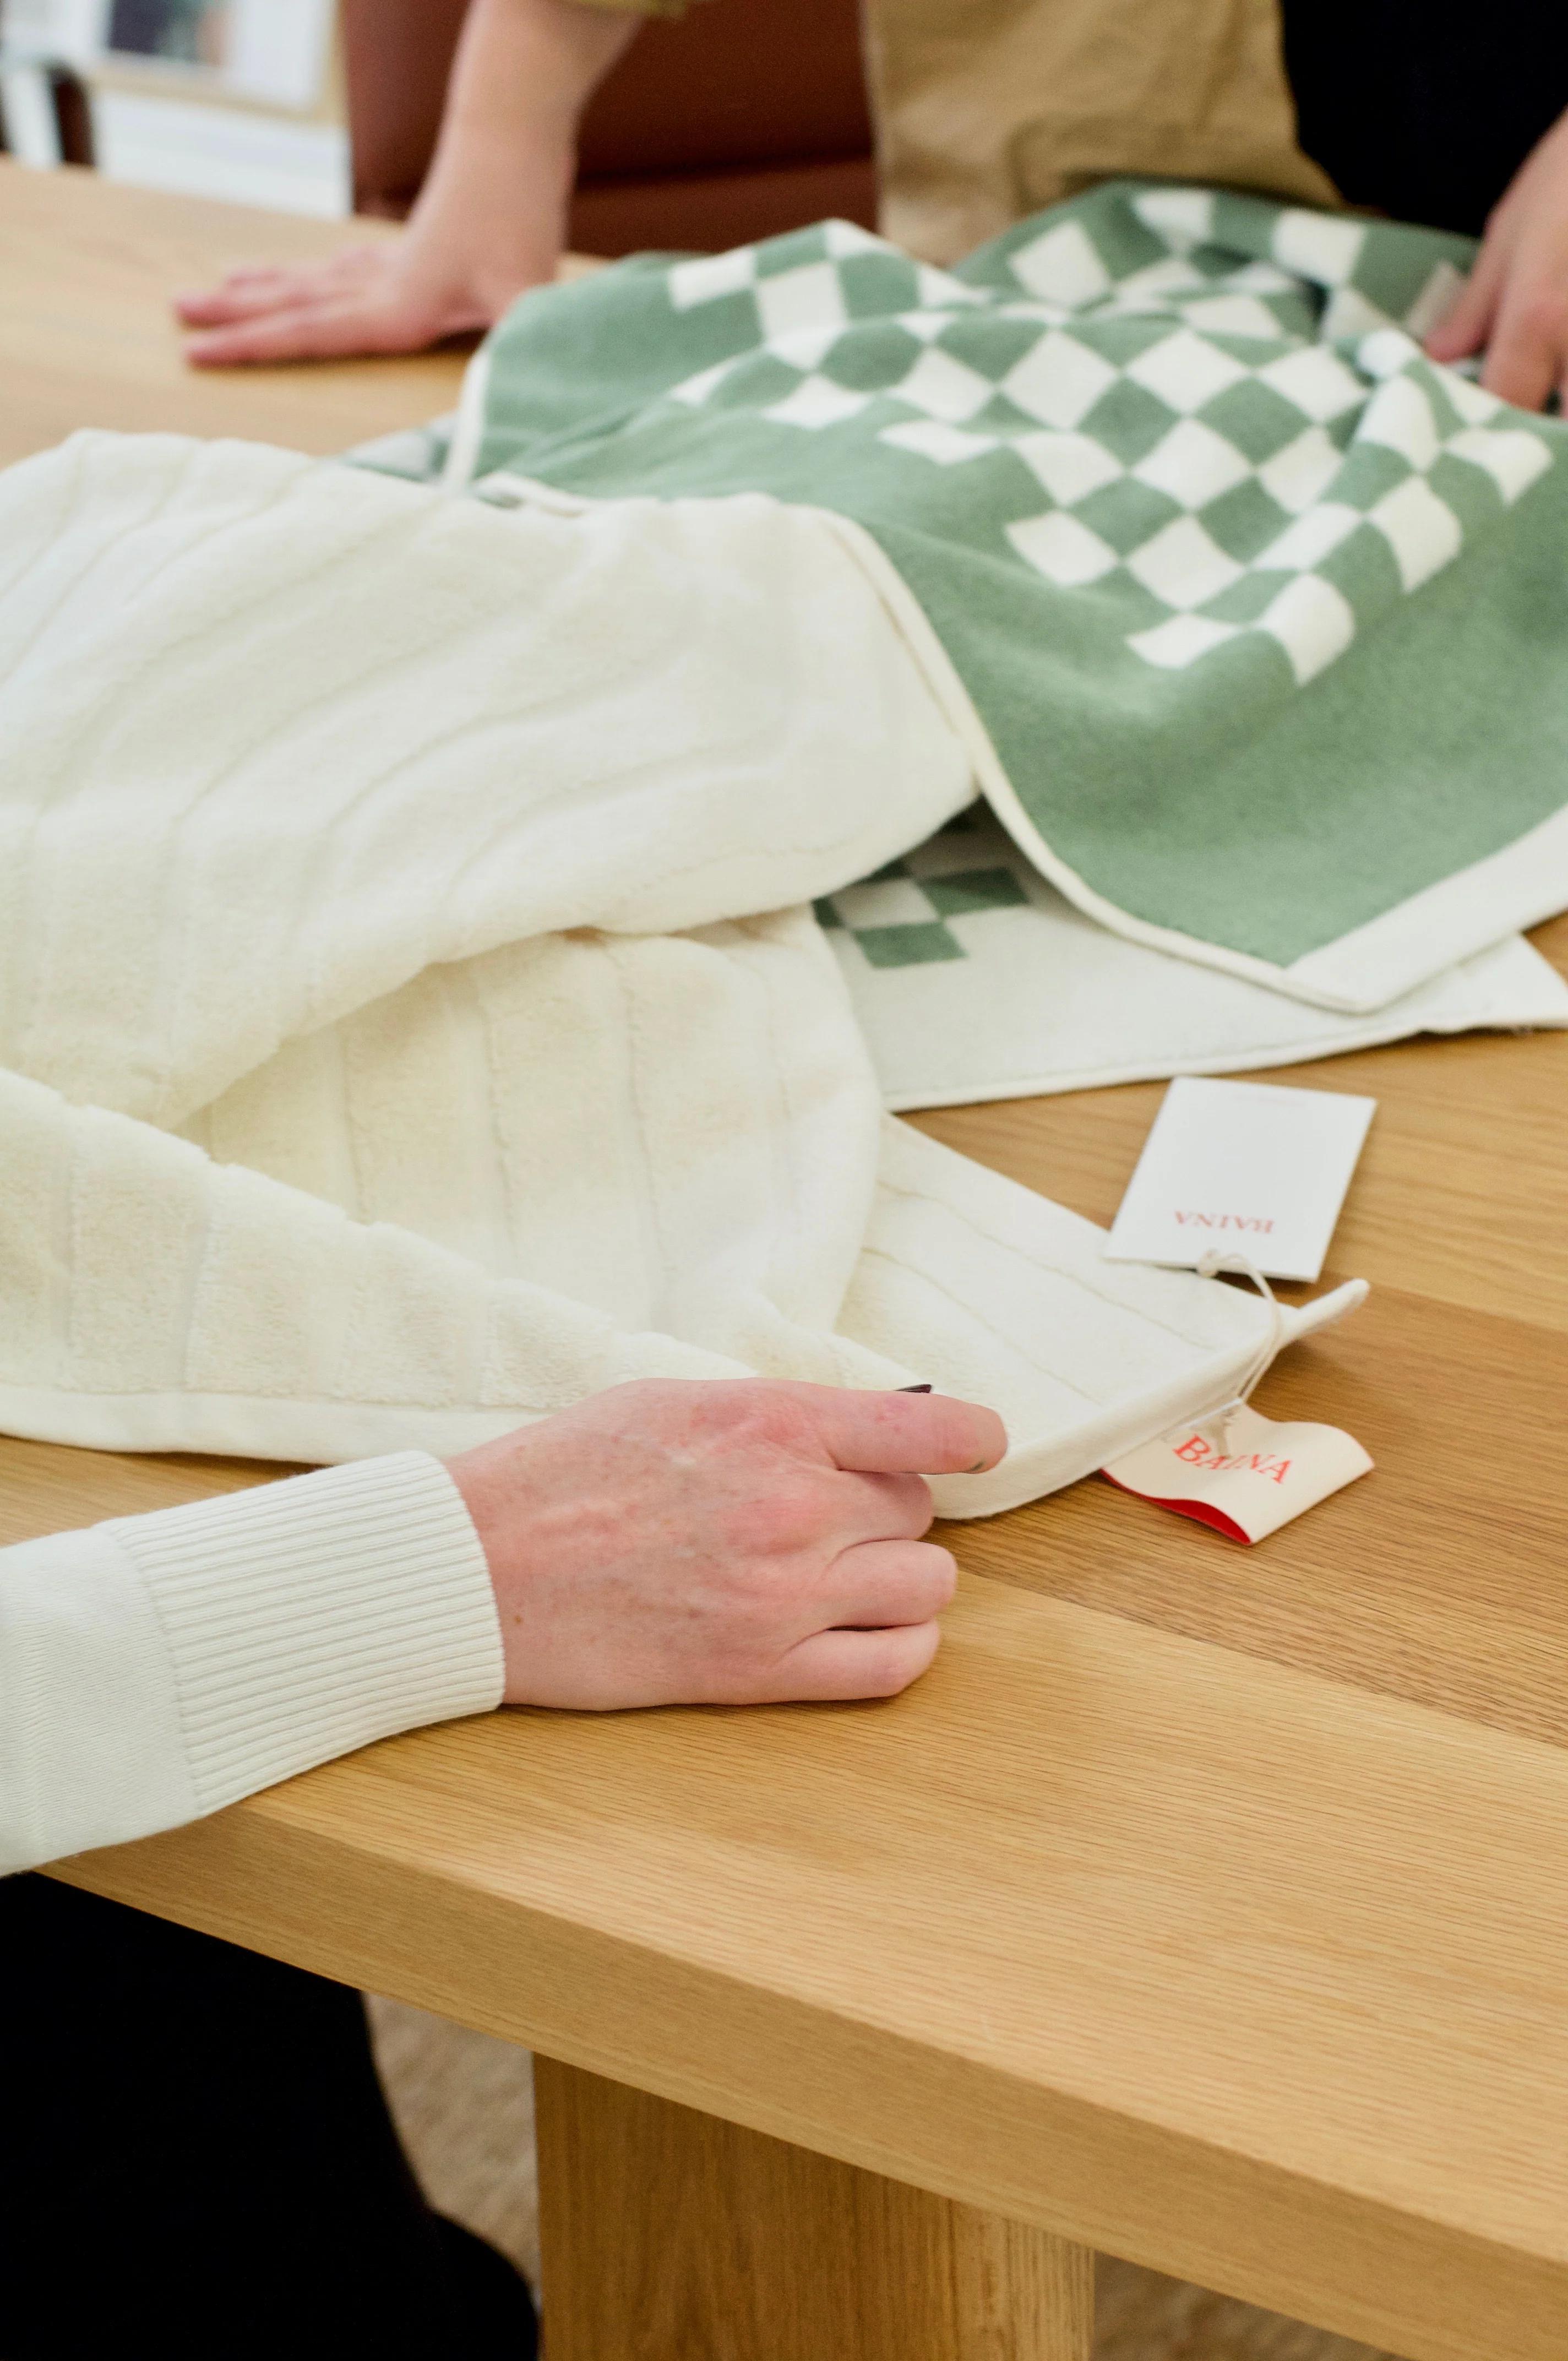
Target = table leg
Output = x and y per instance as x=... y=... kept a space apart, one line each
x=669 y=2235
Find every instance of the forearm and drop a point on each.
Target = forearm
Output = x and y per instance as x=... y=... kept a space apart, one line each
x=505 y=156
x=490 y=221
x=156 y=1668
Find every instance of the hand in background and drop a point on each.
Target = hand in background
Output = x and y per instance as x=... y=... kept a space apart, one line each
x=718 y=1543
x=393 y=298
x=1515 y=302
x=490 y=221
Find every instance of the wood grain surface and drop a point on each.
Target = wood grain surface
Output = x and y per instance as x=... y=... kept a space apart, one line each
x=767 y=2252
x=1460 y=1190
x=1206 y=1906
x=1253 y=1976
x=87 y=338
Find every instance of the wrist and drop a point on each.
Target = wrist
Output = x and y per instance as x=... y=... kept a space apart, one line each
x=491 y=221
x=486 y=1480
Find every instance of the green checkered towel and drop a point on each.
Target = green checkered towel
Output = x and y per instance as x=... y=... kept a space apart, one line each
x=1256 y=617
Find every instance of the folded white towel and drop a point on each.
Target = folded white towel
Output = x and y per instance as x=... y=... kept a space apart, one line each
x=972 y=977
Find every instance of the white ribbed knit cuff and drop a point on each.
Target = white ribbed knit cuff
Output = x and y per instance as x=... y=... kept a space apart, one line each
x=307 y=1618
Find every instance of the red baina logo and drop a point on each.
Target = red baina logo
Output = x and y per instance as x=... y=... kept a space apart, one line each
x=1199 y=1453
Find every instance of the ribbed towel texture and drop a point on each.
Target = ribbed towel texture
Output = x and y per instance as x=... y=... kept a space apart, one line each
x=400 y=1033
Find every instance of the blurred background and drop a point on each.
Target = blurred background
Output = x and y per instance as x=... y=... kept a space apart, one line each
x=744 y=118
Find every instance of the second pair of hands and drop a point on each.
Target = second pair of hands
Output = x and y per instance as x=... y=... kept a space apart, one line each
x=491 y=224
x=399 y=297
x=490 y=220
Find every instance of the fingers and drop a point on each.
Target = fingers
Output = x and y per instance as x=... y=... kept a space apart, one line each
x=921 y=1434
x=1514 y=306
x=1524 y=333
x=882 y=1507
x=878 y=1584
x=308 y=332
x=1528 y=357
x=839 y=1665
x=292 y=332
x=254 y=286
x=1465 y=327
x=275 y=290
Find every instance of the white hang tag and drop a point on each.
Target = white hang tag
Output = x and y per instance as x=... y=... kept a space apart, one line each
x=1242 y=1473
x=1248 y=1165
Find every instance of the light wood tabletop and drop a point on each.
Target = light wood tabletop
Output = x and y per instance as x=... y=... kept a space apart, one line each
x=1204 y=1906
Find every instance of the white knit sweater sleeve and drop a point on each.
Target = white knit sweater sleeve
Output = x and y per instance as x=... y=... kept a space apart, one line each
x=156 y=1668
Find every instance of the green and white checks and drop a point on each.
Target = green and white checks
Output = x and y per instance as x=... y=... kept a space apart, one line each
x=1176 y=464
x=903 y=917
x=1260 y=642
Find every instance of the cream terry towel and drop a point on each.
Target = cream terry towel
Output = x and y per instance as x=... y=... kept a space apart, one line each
x=399 y=1032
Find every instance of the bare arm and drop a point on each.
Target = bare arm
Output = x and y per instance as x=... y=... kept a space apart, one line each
x=490 y=220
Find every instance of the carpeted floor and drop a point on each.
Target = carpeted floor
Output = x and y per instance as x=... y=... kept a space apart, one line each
x=464 y=2105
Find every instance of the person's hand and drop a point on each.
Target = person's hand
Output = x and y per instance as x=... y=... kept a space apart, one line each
x=1515 y=301
x=398 y=297
x=490 y=219
x=711 y=1542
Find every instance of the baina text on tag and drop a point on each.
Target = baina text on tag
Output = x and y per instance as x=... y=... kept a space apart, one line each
x=1241 y=1473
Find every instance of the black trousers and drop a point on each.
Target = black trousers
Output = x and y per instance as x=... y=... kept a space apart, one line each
x=1425 y=109
x=196 y=2158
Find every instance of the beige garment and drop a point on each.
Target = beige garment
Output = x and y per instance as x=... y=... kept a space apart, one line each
x=986 y=110
x=989 y=109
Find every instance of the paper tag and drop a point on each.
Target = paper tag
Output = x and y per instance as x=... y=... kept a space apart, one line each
x=1242 y=1474
x=1248 y=1165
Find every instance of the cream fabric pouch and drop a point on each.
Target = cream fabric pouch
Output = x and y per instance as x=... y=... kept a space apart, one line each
x=155 y=1300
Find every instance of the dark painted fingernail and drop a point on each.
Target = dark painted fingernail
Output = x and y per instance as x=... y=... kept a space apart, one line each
x=914 y=1389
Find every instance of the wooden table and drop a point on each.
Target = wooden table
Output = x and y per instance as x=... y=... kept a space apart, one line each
x=1206 y=1906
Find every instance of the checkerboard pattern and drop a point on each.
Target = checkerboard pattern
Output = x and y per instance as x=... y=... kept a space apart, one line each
x=1187 y=436
x=1216 y=447
x=970 y=979
x=1153 y=465
x=901 y=916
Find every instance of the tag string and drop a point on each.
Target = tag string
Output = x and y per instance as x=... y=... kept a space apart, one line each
x=1221 y=1259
